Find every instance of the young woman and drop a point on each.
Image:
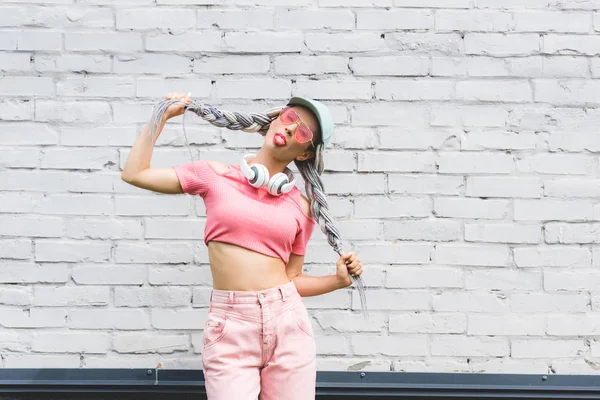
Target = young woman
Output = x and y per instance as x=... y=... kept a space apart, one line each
x=258 y=339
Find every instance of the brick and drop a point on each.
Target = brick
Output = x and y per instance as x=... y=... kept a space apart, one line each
x=151 y=297
x=22 y=158
x=15 y=249
x=41 y=361
x=28 y=134
x=469 y=346
x=179 y=275
x=394 y=162
x=571 y=280
x=507 y=325
x=310 y=65
x=572 y=187
x=549 y=302
x=428 y=323
x=332 y=90
x=155 y=18
x=39 y=40
x=469 y=116
x=109 y=319
x=506 y=187
x=35 y=226
x=475 y=163
x=342 y=183
x=114 y=42
x=16 y=297
x=473 y=20
x=355 y=3
x=95 y=87
x=354 y=138
x=10 y=62
x=71 y=342
x=414 y=43
x=232 y=64
x=384 y=207
x=71 y=251
x=566 y=92
x=565 y=233
x=552 y=256
x=559 y=164
x=405 y=345
x=573 y=142
x=72 y=112
x=34 y=181
x=432 y=365
x=434 y=3
x=337 y=321
x=426 y=230
x=16 y=110
x=470 y=302
x=33 y=318
x=104 y=229
x=503 y=233
x=26 y=86
x=394 y=19
x=143 y=343
x=571 y=44
x=415 y=89
x=71 y=296
x=390 y=66
x=470 y=208
x=388 y=115
x=261 y=42
x=158 y=88
x=178 y=319
x=332 y=345
x=423 y=277
x=93 y=159
x=84 y=204
x=502 y=279
x=505 y=91
x=425 y=184
x=495 y=44
x=552 y=21
x=474 y=255
x=544 y=348
x=254 y=89
x=395 y=300
x=15 y=202
x=576 y=67
x=344 y=42
x=418 y=253
x=254 y=19
x=573 y=325
x=314 y=19
x=509 y=4
x=73 y=63
x=552 y=210
x=153 y=252
x=159 y=205
x=508 y=366
x=109 y=275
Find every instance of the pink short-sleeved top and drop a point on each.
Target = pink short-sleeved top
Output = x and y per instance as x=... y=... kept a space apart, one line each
x=243 y=215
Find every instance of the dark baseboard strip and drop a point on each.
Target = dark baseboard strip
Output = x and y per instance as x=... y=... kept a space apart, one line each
x=330 y=385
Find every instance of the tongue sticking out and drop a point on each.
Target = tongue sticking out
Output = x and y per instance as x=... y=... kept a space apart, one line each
x=279 y=140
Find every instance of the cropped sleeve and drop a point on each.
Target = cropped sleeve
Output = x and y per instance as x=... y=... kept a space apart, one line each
x=196 y=180
x=302 y=238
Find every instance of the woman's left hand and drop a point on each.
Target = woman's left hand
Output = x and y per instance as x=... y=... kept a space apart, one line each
x=348 y=264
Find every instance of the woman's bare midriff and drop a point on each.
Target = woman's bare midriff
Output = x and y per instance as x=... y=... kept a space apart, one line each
x=237 y=268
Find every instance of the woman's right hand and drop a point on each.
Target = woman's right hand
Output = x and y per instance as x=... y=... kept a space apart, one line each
x=179 y=108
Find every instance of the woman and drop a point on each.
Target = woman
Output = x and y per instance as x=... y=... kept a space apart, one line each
x=258 y=339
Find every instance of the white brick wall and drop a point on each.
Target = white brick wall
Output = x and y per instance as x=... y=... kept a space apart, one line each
x=464 y=170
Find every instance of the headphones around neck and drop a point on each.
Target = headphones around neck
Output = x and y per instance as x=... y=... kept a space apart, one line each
x=258 y=176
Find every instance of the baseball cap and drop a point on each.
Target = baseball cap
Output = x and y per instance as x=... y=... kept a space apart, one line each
x=321 y=112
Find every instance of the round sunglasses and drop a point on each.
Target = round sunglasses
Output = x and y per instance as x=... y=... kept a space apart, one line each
x=303 y=133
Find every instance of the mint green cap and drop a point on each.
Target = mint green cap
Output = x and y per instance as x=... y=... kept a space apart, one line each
x=321 y=112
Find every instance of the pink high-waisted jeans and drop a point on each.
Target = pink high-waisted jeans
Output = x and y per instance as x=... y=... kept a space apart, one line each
x=259 y=345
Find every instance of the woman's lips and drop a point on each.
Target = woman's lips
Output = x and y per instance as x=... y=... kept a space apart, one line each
x=279 y=139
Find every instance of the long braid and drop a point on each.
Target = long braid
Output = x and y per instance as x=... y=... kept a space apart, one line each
x=310 y=171
x=315 y=191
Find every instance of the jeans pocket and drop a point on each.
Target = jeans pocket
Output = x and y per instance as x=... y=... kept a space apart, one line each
x=302 y=319
x=214 y=329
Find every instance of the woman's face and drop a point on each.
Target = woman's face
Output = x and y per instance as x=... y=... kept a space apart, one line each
x=284 y=139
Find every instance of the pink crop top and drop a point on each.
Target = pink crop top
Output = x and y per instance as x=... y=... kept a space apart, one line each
x=246 y=216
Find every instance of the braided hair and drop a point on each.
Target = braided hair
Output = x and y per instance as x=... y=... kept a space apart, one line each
x=310 y=169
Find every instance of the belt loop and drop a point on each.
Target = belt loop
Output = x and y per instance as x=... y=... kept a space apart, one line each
x=230 y=299
x=281 y=289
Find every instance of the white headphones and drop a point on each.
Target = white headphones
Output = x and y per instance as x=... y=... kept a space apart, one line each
x=258 y=176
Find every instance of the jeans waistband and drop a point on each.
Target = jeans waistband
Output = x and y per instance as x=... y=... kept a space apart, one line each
x=282 y=292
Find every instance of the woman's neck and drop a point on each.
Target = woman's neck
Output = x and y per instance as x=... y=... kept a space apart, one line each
x=272 y=165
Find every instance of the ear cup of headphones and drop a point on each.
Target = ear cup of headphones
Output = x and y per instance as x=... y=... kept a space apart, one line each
x=261 y=175
x=278 y=184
